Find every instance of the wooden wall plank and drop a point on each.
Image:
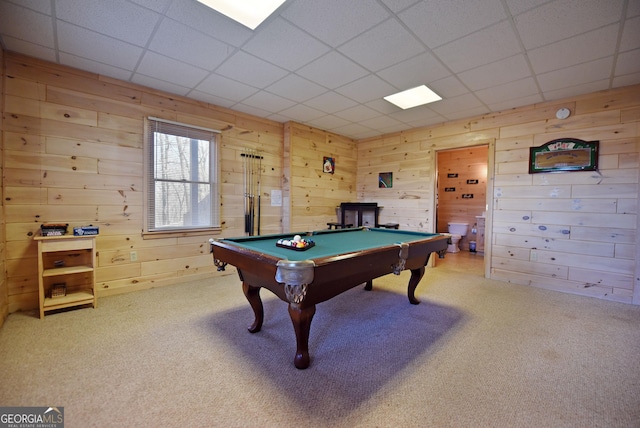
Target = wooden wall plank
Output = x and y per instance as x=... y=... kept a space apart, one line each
x=104 y=116
x=73 y=144
x=569 y=216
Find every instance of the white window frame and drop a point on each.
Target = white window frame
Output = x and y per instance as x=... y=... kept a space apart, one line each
x=152 y=125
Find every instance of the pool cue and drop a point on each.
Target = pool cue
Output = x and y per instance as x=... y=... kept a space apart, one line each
x=251 y=199
x=245 y=166
x=259 y=191
x=251 y=192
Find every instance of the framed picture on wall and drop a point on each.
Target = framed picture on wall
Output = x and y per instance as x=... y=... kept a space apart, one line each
x=328 y=165
x=564 y=154
x=385 y=180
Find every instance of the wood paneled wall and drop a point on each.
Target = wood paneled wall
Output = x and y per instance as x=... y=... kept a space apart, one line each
x=4 y=291
x=314 y=194
x=572 y=232
x=410 y=202
x=73 y=153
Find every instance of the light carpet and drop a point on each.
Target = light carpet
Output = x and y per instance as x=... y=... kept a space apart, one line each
x=474 y=353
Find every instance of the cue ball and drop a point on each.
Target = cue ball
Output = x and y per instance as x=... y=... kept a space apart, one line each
x=297 y=238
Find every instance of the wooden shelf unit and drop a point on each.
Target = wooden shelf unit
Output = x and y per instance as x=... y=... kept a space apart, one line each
x=68 y=260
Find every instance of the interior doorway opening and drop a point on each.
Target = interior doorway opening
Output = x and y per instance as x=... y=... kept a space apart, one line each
x=461 y=195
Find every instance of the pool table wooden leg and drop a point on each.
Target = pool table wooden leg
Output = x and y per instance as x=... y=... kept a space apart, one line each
x=416 y=276
x=253 y=296
x=301 y=319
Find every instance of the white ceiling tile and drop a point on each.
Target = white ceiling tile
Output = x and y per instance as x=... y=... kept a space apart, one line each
x=572 y=91
x=178 y=41
x=382 y=106
x=576 y=75
x=250 y=70
x=27 y=25
x=631 y=34
x=116 y=18
x=509 y=91
x=330 y=102
x=452 y=105
x=514 y=103
x=328 y=122
x=382 y=46
x=29 y=49
x=482 y=47
x=162 y=85
x=415 y=71
x=420 y=115
x=399 y=5
x=37 y=5
x=296 y=88
x=560 y=19
x=281 y=43
x=366 y=89
x=226 y=88
x=170 y=70
x=268 y=102
x=626 y=80
x=301 y=113
x=96 y=47
x=358 y=113
x=449 y=87
x=628 y=62
x=440 y=22
x=576 y=50
x=499 y=72
x=95 y=67
x=366 y=47
x=633 y=8
x=519 y=6
x=211 y=99
x=381 y=122
x=156 y=5
x=199 y=17
x=332 y=70
x=354 y=17
x=244 y=108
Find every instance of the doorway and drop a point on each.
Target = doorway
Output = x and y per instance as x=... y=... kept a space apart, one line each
x=461 y=194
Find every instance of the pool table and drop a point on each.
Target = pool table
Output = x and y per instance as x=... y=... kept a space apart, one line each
x=340 y=260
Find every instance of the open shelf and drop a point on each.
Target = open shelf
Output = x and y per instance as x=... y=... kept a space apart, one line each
x=67 y=261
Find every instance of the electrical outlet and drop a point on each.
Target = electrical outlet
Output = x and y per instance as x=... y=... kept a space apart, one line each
x=133 y=256
x=534 y=256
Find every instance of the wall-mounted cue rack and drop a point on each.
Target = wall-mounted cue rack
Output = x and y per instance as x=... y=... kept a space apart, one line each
x=252 y=173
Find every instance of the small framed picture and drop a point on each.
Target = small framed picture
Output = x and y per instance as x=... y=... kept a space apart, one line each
x=385 y=180
x=328 y=165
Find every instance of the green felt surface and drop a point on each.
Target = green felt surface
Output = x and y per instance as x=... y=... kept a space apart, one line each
x=331 y=243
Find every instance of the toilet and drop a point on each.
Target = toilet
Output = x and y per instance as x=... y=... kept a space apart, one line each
x=456 y=232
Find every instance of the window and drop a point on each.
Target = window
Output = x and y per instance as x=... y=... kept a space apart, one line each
x=181 y=177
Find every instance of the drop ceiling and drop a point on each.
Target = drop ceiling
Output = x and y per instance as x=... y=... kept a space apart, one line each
x=328 y=63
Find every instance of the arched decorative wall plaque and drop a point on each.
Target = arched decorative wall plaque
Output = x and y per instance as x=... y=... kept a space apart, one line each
x=564 y=154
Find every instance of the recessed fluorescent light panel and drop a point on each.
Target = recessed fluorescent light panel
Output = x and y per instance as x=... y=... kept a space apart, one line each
x=249 y=13
x=413 y=97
